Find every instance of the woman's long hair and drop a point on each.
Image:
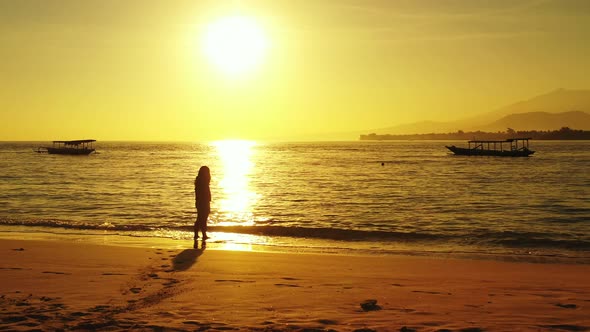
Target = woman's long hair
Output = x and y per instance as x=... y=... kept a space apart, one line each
x=204 y=176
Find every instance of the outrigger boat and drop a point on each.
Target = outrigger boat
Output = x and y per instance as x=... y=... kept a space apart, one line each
x=506 y=148
x=78 y=147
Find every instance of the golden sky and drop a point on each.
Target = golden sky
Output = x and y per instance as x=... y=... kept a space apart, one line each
x=136 y=69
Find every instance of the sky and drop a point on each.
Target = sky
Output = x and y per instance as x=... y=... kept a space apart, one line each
x=137 y=69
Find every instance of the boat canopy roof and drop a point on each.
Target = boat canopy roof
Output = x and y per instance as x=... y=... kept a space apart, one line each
x=76 y=142
x=502 y=141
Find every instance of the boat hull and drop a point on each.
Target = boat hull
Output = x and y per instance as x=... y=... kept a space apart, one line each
x=69 y=151
x=497 y=153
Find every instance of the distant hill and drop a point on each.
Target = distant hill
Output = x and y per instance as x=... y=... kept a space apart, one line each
x=540 y=121
x=573 y=107
x=558 y=101
x=419 y=128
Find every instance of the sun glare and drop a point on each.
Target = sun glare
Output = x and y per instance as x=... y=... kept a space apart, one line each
x=235 y=44
x=238 y=198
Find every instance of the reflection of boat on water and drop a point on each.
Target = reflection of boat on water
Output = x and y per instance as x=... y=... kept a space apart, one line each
x=506 y=148
x=78 y=147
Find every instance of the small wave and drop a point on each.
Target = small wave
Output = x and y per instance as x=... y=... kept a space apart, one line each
x=327 y=233
x=54 y=223
x=289 y=231
x=508 y=239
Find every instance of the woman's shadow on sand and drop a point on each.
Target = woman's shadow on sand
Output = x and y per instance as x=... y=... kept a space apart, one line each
x=187 y=258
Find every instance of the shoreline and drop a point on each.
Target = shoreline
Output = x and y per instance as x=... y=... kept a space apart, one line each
x=74 y=285
x=285 y=244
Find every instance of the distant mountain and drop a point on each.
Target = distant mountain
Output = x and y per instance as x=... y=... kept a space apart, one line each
x=419 y=127
x=573 y=106
x=540 y=121
x=558 y=101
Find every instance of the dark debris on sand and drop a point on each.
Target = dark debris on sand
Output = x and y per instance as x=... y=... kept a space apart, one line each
x=370 y=305
x=407 y=329
x=567 y=305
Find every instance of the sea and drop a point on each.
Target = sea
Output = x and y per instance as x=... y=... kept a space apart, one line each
x=356 y=197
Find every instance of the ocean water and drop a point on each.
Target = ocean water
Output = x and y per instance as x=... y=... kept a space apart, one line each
x=378 y=197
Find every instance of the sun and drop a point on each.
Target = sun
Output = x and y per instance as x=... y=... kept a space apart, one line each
x=235 y=44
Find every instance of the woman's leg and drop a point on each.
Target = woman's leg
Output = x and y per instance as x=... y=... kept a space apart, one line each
x=196 y=227
x=203 y=225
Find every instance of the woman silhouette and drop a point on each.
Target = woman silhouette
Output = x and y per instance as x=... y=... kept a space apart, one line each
x=202 y=201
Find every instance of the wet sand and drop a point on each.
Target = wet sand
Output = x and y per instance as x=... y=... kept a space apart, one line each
x=51 y=285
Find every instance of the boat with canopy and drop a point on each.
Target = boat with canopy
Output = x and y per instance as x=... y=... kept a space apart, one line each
x=512 y=147
x=76 y=147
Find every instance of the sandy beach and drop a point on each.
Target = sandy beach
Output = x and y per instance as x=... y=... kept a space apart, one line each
x=60 y=285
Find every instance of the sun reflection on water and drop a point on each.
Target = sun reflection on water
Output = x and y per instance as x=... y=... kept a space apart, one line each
x=235 y=206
